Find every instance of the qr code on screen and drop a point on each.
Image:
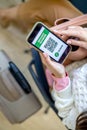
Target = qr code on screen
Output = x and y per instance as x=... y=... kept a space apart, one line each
x=50 y=44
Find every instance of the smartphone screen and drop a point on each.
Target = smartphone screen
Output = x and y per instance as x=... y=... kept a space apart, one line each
x=46 y=41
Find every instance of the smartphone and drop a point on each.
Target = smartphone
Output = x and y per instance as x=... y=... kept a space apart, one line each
x=46 y=41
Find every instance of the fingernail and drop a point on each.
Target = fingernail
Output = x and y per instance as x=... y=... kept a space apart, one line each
x=69 y=42
x=45 y=55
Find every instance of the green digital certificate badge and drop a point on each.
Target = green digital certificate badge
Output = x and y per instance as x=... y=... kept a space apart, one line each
x=41 y=39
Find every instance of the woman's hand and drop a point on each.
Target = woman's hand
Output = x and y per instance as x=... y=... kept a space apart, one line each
x=79 y=33
x=56 y=69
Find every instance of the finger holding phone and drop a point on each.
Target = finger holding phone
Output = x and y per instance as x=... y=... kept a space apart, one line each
x=56 y=69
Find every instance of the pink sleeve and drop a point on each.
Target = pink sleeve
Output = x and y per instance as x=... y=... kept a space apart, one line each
x=60 y=83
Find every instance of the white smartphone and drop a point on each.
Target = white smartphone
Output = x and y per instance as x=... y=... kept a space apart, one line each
x=46 y=41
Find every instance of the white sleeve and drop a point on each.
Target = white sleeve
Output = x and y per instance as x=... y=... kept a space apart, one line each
x=72 y=100
x=63 y=99
x=79 y=88
x=64 y=103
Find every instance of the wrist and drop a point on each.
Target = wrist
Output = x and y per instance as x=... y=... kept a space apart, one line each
x=62 y=75
x=61 y=83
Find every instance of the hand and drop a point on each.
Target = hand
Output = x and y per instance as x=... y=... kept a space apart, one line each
x=81 y=34
x=78 y=32
x=56 y=69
